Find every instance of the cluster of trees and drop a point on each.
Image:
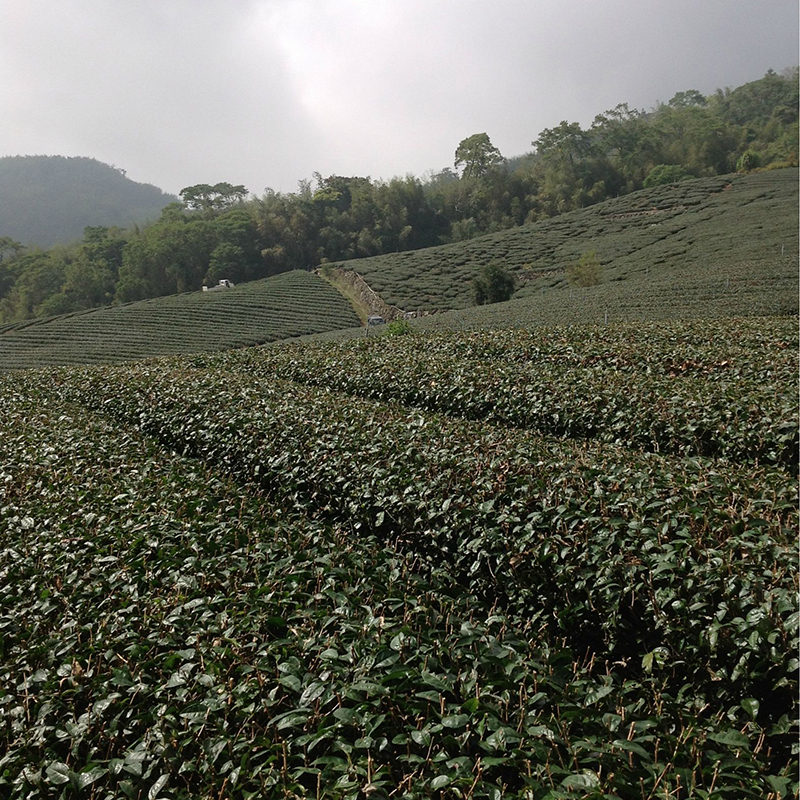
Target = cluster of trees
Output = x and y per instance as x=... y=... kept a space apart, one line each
x=216 y=232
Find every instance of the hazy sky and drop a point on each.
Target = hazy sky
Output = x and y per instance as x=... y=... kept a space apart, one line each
x=265 y=92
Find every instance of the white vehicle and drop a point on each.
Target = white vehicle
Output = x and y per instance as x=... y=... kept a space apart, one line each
x=224 y=283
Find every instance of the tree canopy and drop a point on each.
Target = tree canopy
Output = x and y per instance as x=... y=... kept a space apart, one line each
x=477 y=155
x=212 y=199
x=494 y=285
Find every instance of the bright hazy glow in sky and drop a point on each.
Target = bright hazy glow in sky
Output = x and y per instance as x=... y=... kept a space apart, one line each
x=265 y=92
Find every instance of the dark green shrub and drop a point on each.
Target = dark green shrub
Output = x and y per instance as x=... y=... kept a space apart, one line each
x=665 y=173
x=586 y=272
x=494 y=284
x=400 y=327
x=748 y=160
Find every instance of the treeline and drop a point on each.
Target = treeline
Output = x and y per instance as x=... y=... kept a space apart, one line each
x=215 y=232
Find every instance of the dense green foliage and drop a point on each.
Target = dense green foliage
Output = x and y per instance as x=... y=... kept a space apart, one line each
x=291 y=304
x=494 y=284
x=211 y=199
x=677 y=388
x=668 y=173
x=477 y=155
x=343 y=218
x=220 y=583
x=49 y=199
x=586 y=271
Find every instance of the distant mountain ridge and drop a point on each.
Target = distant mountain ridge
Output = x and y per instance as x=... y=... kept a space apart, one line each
x=45 y=200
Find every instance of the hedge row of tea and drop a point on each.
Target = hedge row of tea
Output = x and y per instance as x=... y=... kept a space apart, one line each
x=166 y=633
x=693 y=229
x=744 y=288
x=287 y=305
x=220 y=583
x=684 y=387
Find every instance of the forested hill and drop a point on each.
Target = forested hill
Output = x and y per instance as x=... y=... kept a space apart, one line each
x=50 y=199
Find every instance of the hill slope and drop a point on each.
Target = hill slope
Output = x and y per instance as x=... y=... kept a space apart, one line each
x=722 y=231
x=50 y=199
x=290 y=304
x=701 y=249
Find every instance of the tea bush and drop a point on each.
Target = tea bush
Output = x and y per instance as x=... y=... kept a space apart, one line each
x=218 y=582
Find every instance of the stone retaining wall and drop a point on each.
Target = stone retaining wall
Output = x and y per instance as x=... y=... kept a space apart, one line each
x=374 y=303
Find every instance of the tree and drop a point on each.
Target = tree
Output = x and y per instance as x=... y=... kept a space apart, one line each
x=212 y=199
x=696 y=138
x=576 y=173
x=494 y=284
x=754 y=104
x=688 y=99
x=238 y=251
x=170 y=256
x=749 y=160
x=41 y=274
x=627 y=141
x=8 y=275
x=586 y=272
x=225 y=261
x=567 y=143
x=478 y=155
x=665 y=173
x=87 y=284
x=8 y=245
x=106 y=245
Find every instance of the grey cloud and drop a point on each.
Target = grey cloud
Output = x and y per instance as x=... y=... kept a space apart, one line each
x=262 y=93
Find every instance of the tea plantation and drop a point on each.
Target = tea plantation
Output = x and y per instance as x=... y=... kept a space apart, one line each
x=729 y=243
x=708 y=248
x=290 y=304
x=544 y=564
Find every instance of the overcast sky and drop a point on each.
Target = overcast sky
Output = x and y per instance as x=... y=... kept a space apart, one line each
x=265 y=92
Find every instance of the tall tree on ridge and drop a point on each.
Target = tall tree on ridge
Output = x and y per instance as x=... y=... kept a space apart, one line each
x=478 y=155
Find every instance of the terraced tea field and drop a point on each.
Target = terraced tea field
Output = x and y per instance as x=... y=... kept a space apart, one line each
x=290 y=304
x=651 y=387
x=750 y=288
x=548 y=564
x=711 y=248
x=729 y=241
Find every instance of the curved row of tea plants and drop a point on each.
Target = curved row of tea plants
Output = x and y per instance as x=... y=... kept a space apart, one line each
x=748 y=288
x=167 y=634
x=729 y=389
x=287 y=305
x=619 y=553
x=170 y=633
